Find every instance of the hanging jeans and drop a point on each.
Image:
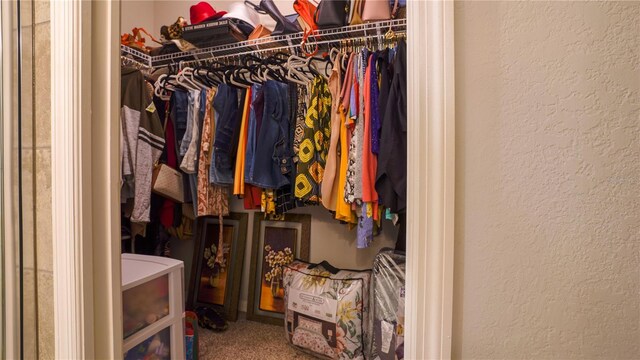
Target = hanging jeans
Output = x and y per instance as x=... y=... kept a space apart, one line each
x=272 y=159
x=226 y=107
x=191 y=115
x=179 y=105
x=252 y=134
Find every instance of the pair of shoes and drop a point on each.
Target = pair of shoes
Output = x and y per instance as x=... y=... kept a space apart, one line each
x=210 y=318
x=284 y=25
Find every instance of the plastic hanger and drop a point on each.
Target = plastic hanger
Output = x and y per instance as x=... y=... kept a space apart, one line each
x=299 y=67
x=294 y=74
x=184 y=80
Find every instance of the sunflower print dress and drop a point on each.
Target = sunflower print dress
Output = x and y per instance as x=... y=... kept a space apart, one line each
x=312 y=154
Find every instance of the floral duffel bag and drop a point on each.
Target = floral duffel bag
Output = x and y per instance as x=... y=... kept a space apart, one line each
x=326 y=310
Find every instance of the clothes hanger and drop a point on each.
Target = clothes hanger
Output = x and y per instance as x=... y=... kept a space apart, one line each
x=195 y=78
x=253 y=66
x=275 y=67
x=295 y=73
x=311 y=66
x=235 y=80
x=186 y=77
x=216 y=71
x=158 y=90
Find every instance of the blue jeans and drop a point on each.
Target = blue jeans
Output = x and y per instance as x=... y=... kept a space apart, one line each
x=179 y=106
x=225 y=104
x=251 y=136
x=186 y=139
x=272 y=158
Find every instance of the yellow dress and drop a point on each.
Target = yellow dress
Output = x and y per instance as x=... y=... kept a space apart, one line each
x=343 y=210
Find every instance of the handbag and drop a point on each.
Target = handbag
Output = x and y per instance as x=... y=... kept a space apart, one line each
x=374 y=10
x=355 y=17
x=283 y=24
x=167 y=182
x=136 y=41
x=259 y=32
x=306 y=10
x=332 y=14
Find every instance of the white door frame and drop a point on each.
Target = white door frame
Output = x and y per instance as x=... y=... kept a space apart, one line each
x=10 y=311
x=430 y=179
x=85 y=113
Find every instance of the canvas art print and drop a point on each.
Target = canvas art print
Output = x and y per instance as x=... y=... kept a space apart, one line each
x=216 y=282
x=275 y=245
x=278 y=251
x=213 y=275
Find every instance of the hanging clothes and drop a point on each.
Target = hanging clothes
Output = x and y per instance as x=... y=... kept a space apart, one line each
x=193 y=98
x=343 y=208
x=253 y=194
x=179 y=109
x=391 y=178
x=226 y=105
x=238 y=182
x=301 y=115
x=370 y=159
x=315 y=144
x=351 y=122
x=369 y=211
x=272 y=160
x=252 y=197
x=242 y=96
x=168 y=216
x=359 y=126
x=256 y=107
x=142 y=142
x=212 y=199
x=383 y=72
x=329 y=186
x=188 y=164
x=285 y=199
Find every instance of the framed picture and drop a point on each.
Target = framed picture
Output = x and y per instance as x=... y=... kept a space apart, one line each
x=275 y=244
x=217 y=283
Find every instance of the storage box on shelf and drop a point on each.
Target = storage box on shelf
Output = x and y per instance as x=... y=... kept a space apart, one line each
x=153 y=307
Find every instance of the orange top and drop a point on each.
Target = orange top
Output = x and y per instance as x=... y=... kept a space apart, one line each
x=238 y=182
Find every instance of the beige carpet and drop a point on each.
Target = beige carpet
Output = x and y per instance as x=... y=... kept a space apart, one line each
x=247 y=340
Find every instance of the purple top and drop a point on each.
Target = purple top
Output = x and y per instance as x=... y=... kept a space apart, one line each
x=375 y=116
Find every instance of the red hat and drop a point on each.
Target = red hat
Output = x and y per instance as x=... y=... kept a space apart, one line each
x=202 y=12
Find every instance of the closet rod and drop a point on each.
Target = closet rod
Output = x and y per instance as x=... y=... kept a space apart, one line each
x=258 y=52
x=129 y=61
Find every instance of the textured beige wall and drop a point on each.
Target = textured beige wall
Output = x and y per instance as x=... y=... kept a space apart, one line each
x=548 y=174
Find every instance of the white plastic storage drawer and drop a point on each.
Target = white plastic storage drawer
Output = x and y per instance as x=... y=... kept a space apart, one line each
x=152 y=307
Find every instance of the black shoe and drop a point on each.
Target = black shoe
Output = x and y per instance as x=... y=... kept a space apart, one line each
x=210 y=318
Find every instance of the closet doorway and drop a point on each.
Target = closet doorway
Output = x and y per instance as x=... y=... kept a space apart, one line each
x=430 y=179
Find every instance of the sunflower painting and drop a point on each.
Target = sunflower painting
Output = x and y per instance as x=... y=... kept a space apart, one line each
x=280 y=245
x=276 y=243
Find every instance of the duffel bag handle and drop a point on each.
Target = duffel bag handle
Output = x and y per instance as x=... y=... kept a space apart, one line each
x=325 y=264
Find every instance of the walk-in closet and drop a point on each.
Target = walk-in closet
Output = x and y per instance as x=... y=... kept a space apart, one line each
x=263 y=179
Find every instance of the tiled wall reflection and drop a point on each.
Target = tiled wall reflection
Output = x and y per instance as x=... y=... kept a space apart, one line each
x=36 y=180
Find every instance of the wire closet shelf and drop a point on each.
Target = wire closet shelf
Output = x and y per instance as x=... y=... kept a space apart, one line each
x=372 y=30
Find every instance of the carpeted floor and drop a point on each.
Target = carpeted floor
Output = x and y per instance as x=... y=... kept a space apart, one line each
x=247 y=340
